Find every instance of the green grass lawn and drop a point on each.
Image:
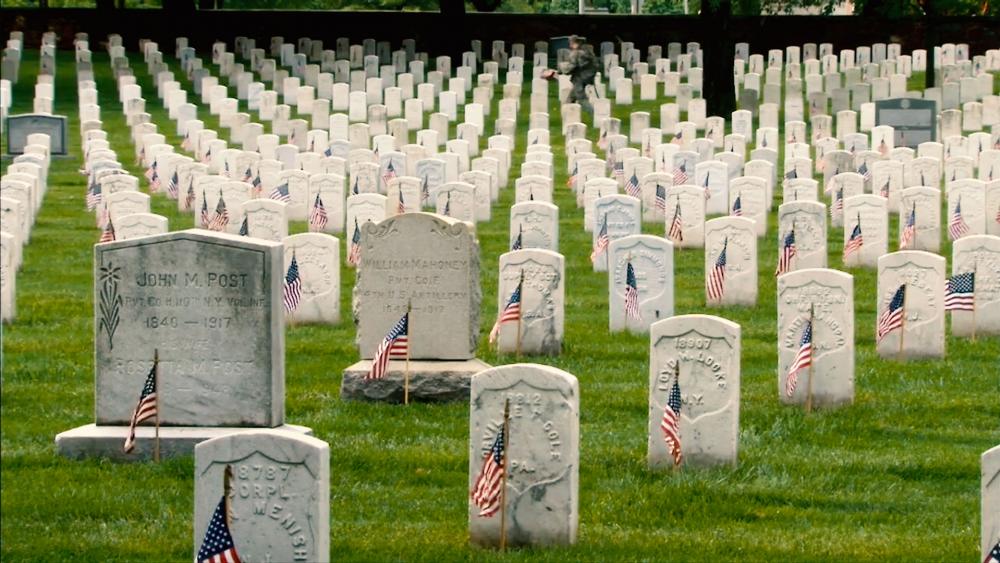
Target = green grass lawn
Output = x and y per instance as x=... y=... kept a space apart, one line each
x=894 y=476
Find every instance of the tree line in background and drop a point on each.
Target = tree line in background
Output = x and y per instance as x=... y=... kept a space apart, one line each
x=884 y=8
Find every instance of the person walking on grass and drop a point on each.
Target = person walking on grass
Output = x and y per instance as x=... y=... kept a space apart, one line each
x=581 y=68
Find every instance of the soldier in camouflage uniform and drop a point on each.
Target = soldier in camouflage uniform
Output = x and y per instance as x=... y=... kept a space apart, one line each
x=582 y=69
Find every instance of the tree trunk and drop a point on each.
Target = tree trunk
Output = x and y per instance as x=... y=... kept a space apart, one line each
x=717 y=87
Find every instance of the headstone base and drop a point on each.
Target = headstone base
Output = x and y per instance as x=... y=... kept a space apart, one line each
x=92 y=440
x=430 y=381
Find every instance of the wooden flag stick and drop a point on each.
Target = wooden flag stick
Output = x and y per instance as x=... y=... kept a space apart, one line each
x=520 y=308
x=503 y=484
x=406 y=371
x=809 y=386
x=675 y=467
x=902 y=323
x=227 y=476
x=156 y=379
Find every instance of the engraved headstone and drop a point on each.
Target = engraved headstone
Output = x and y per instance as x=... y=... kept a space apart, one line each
x=652 y=262
x=735 y=238
x=542 y=276
x=922 y=331
x=318 y=258
x=979 y=254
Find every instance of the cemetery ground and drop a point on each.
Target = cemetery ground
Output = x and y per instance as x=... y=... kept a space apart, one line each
x=894 y=476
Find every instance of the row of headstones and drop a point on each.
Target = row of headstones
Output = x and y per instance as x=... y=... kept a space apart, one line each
x=22 y=189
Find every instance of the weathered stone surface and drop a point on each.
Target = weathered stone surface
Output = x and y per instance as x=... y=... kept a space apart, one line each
x=543 y=448
x=689 y=201
x=979 y=254
x=741 y=258
x=279 y=497
x=923 y=273
x=266 y=219
x=135 y=225
x=708 y=351
x=829 y=294
x=870 y=211
x=543 y=301
x=430 y=263
x=318 y=258
x=808 y=219
x=430 y=381
x=925 y=204
x=652 y=260
x=8 y=278
x=537 y=223
x=990 y=501
x=623 y=216
x=211 y=305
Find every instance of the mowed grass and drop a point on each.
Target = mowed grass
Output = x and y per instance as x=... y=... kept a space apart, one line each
x=894 y=476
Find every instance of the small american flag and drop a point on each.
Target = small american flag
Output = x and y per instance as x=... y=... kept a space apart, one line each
x=676 y=232
x=292 y=293
x=190 y=197
x=632 y=186
x=280 y=193
x=395 y=344
x=144 y=409
x=447 y=206
x=892 y=317
x=671 y=422
x=601 y=244
x=257 y=185
x=838 y=203
x=150 y=170
x=791 y=174
x=708 y=190
x=389 y=174
x=865 y=171
x=678 y=138
x=717 y=277
x=680 y=173
x=910 y=230
x=173 y=185
x=511 y=312
x=618 y=169
x=486 y=490
x=738 y=207
x=661 y=198
x=787 y=253
x=602 y=141
x=960 y=292
x=186 y=142
x=519 y=241
x=93 y=196
x=957 y=228
x=354 y=254
x=247 y=174
x=802 y=360
x=401 y=205
x=318 y=217
x=855 y=242
x=218 y=546
x=355 y=190
x=205 y=219
x=884 y=191
x=221 y=218
x=631 y=294
x=108 y=234
x=425 y=190
x=245 y=226
x=208 y=156
x=154 y=181
x=571 y=181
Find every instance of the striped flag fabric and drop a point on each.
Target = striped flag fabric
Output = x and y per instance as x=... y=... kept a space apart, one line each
x=661 y=198
x=865 y=171
x=280 y=193
x=632 y=186
x=994 y=555
x=154 y=180
x=218 y=546
x=247 y=174
x=803 y=359
x=787 y=253
x=960 y=292
x=108 y=234
x=318 y=217
x=519 y=241
x=737 y=207
x=884 y=191
x=292 y=293
x=144 y=409
x=838 y=203
x=221 y=218
x=892 y=317
x=245 y=226
x=401 y=205
x=94 y=196
x=957 y=228
x=389 y=174
x=257 y=185
x=190 y=197
x=486 y=489
x=909 y=232
x=680 y=173
x=717 y=277
x=676 y=232
x=601 y=244
x=205 y=219
x=670 y=424
x=708 y=191
x=395 y=344
x=511 y=312
x=354 y=254
x=172 y=186
x=618 y=169
x=151 y=169
x=631 y=294
x=855 y=242
x=571 y=180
